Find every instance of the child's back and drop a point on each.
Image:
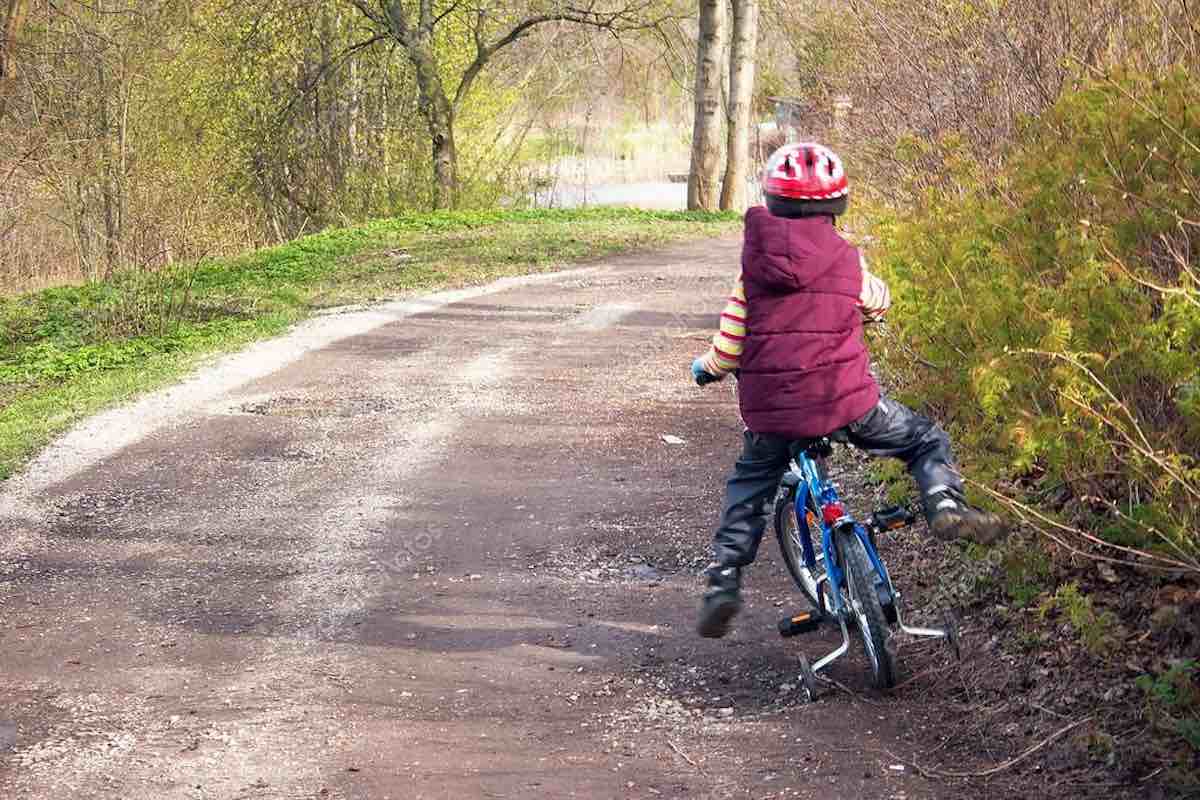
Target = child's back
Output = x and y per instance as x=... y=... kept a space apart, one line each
x=804 y=368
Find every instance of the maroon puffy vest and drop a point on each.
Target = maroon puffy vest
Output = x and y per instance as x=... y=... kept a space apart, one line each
x=805 y=371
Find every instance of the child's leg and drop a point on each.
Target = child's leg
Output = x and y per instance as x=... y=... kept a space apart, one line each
x=892 y=429
x=748 y=493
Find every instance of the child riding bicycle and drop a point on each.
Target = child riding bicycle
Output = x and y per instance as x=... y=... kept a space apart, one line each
x=793 y=329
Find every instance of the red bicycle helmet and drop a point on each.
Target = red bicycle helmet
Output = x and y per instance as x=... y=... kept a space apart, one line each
x=805 y=171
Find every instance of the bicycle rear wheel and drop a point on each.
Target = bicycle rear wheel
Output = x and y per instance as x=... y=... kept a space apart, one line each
x=789 y=531
x=867 y=613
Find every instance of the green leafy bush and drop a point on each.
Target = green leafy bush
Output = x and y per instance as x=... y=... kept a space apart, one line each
x=1026 y=573
x=1054 y=308
x=1173 y=700
x=1094 y=628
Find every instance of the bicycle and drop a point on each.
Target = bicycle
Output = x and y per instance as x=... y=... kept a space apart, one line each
x=845 y=580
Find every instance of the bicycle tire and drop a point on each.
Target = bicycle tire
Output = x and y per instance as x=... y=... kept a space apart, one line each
x=865 y=608
x=793 y=553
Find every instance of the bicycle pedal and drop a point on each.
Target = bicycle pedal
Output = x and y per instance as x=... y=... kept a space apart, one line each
x=804 y=622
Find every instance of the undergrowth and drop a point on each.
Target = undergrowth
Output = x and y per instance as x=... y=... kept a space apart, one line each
x=1048 y=314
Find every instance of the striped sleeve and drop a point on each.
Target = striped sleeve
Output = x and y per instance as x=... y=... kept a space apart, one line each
x=726 y=351
x=875 y=298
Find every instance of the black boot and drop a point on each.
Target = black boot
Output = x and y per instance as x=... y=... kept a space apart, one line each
x=721 y=602
x=951 y=517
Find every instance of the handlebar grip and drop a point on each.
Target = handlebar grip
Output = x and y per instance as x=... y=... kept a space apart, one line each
x=704 y=378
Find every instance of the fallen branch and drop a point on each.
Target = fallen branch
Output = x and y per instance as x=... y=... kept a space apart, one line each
x=1114 y=508
x=684 y=755
x=984 y=773
x=936 y=669
x=1146 y=559
x=843 y=687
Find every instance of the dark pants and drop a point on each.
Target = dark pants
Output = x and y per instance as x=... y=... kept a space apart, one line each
x=889 y=429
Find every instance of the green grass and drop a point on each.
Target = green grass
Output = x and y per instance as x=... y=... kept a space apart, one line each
x=68 y=352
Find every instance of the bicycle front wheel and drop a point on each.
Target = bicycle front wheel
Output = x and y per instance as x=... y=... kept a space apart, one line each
x=863 y=600
x=790 y=531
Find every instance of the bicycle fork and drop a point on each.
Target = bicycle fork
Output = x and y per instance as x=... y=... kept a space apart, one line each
x=828 y=586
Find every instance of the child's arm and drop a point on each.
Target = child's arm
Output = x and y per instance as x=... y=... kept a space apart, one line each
x=875 y=298
x=722 y=358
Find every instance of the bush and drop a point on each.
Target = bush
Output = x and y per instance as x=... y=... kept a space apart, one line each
x=1054 y=308
x=1173 y=700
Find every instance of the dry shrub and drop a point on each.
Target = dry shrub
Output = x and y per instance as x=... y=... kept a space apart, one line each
x=1054 y=307
x=932 y=80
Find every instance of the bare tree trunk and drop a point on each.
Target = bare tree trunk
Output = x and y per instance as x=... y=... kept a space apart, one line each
x=439 y=115
x=14 y=16
x=353 y=113
x=741 y=95
x=445 y=158
x=704 y=177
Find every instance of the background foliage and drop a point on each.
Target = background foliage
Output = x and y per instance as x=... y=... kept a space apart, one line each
x=140 y=134
x=1047 y=284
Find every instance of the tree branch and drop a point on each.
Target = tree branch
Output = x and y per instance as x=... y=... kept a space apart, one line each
x=366 y=11
x=619 y=21
x=457 y=4
x=324 y=68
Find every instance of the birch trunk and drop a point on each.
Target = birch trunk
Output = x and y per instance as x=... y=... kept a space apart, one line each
x=705 y=174
x=742 y=58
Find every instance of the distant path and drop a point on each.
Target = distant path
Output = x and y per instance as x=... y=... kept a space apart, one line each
x=660 y=195
x=431 y=550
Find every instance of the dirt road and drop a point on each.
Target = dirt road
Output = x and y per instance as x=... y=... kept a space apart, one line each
x=436 y=549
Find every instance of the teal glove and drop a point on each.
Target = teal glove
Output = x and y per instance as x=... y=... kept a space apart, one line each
x=701 y=375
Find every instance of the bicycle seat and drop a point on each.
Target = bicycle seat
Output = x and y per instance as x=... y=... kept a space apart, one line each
x=821 y=447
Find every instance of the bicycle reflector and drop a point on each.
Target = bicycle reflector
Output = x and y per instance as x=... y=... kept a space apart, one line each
x=833 y=512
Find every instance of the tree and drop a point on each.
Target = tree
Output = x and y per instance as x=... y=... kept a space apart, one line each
x=425 y=30
x=10 y=26
x=704 y=176
x=741 y=95
x=316 y=125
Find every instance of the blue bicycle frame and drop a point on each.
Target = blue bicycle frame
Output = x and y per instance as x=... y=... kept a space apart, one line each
x=834 y=517
x=827 y=511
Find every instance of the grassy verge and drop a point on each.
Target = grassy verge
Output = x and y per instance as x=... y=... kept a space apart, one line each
x=68 y=352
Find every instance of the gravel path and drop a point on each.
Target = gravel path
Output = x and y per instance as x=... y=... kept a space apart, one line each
x=431 y=549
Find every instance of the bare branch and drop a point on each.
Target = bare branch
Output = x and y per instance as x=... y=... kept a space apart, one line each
x=622 y=20
x=365 y=9
x=455 y=6
x=324 y=68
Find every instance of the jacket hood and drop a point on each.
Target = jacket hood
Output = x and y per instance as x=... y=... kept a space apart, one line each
x=784 y=255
